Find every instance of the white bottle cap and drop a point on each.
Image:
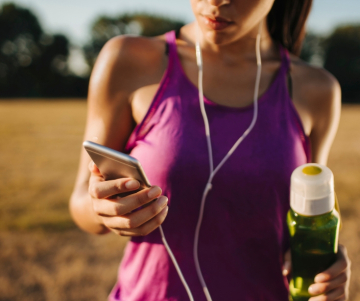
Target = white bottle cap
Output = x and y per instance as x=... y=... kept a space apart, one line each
x=312 y=190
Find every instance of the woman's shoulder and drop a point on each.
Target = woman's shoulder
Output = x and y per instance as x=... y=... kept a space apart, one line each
x=313 y=86
x=135 y=49
x=317 y=96
x=127 y=63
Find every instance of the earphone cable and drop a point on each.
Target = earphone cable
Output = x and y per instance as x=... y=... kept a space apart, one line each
x=212 y=171
x=208 y=139
x=173 y=259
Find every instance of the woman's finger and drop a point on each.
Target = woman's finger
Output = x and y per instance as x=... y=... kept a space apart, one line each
x=325 y=287
x=106 y=189
x=336 y=269
x=333 y=295
x=287 y=263
x=138 y=218
x=139 y=199
x=93 y=168
x=125 y=205
x=146 y=228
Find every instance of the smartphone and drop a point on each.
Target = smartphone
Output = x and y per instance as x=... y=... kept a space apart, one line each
x=114 y=164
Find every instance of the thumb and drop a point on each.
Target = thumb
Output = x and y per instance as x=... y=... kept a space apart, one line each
x=93 y=168
x=286 y=269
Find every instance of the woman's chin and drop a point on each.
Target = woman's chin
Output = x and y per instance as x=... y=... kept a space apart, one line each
x=218 y=37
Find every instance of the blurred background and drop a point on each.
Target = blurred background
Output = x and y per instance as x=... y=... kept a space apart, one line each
x=47 y=51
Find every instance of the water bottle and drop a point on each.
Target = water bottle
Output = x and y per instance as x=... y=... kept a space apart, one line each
x=313 y=224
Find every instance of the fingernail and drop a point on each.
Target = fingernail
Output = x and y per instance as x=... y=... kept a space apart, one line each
x=162 y=201
x=165 y=210
x=154 y=192
x=313 y=289
x=132 y=184
x=286 y=268
x=320 y=278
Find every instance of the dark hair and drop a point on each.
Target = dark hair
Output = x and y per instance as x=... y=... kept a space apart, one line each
x=286 y=22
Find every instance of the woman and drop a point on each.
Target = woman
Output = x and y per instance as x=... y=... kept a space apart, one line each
x=153 y=82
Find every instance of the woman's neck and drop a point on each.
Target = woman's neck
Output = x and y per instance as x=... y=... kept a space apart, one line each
x=242 y=48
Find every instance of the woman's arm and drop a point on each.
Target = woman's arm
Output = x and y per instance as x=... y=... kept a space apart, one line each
x=104 y=99
x=325 y=108
x=317 y=96
x=124 y=65
x=325 y=111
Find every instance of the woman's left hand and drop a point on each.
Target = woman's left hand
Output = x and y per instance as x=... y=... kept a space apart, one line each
x=332 y=284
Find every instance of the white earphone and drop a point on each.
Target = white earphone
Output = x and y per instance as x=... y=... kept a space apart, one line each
x=212 y=170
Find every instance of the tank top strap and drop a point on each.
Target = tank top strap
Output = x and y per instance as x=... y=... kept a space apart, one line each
x=170 y=38
x=287 y=100
x=285 y=58
x=143 y=127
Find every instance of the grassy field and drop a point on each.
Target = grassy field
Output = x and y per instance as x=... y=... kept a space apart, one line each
x=43 y=256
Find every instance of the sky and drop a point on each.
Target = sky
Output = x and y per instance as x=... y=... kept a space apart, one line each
x=74 y=17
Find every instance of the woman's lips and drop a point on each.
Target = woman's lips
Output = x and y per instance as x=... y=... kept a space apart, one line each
x=216 y=23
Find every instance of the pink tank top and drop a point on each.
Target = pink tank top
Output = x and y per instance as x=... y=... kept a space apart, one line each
x=243 y=235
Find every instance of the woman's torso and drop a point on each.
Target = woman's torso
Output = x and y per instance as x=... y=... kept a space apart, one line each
x=243 y=235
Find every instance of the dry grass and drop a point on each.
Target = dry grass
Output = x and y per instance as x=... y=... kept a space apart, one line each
x=40 y=143
x=344 y=160
x=69 y=265
x=44 y=257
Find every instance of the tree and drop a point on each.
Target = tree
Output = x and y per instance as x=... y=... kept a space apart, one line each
x=342 y=58
x=105 y=28
x=33 y=63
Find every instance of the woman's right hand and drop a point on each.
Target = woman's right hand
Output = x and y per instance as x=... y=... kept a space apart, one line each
x=117 y=214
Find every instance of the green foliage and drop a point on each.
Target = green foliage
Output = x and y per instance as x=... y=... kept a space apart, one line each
x=105 y=28
x=342 y=59
x=33 y=63
x=17 y=21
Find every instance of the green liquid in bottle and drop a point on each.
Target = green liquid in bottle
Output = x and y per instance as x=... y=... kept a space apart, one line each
x=314 y=241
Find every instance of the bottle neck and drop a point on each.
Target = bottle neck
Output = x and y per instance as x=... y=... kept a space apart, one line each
x=330 y=213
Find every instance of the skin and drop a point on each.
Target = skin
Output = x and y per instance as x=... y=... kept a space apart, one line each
x=125 y=79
